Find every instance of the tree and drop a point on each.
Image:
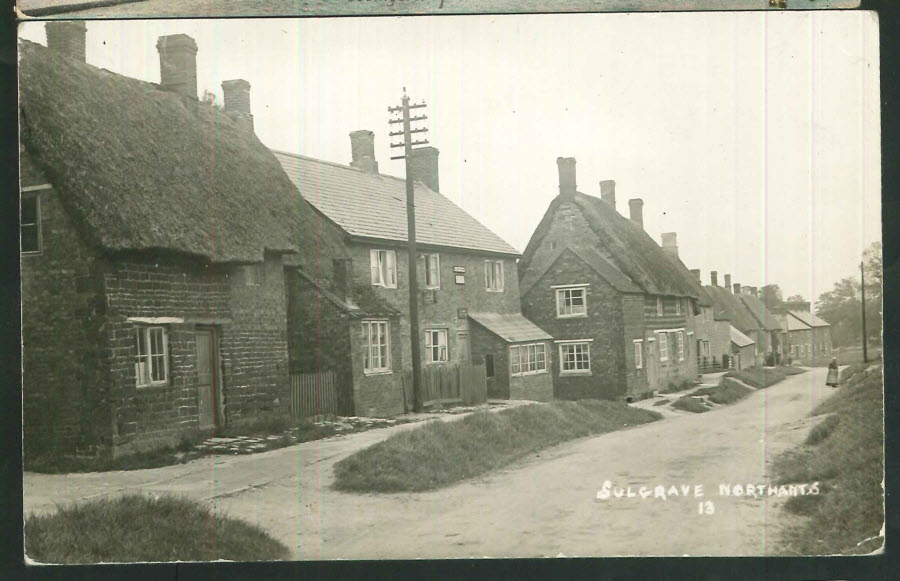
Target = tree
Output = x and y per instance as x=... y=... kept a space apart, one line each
x=841 y=307
x=771 y=296
x=796 y=299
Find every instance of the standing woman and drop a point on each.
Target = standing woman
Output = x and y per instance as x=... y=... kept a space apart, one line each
x=832 y=378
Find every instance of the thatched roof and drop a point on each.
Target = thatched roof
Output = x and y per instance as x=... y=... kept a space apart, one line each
x=728 y=306
x=621 y=243
x=146 y=169
x=759 y=312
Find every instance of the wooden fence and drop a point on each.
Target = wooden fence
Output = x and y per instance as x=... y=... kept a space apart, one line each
x=448 y=384
x=314 y=394
x=713 y=364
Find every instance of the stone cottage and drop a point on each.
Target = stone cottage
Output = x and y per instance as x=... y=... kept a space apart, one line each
x=153 y=230
x=804 y=336
x=713 y=331
x=351 y=313
x=620 y=310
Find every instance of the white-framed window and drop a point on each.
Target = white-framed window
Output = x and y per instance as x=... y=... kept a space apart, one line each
x=432 y=271
x=659 y=306
x=376 y=346
x=436 y=345
x=151 y=357
x=663 y=346
x=528 y=359
x=638 y=353
x=493 y=275
x=30 y=223
x=680 y=338
x=574 y=357
x=571 y=302
x=677 y=305
x=384 y=268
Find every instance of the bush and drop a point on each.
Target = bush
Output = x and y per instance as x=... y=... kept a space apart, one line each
x=442 y=453
x=141 y=528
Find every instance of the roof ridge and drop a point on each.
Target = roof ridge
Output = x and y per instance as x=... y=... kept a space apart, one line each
x=336 y=164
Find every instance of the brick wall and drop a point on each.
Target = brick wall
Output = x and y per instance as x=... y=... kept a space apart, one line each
x=377 y=394
x=65 y=403
x=604 y=324
x=633 y=317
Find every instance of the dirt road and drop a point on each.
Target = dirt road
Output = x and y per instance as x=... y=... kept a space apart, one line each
x=545 y=505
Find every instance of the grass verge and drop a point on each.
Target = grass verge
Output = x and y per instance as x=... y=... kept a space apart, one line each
x=844 y=453
x=141 y=528
x=676 y=386
x=728 y=391
x=690 y=404
x=759 y=377
x=442 y=453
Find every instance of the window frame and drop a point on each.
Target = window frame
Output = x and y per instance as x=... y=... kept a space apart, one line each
x=663 y=345
x=529 y=348
x=150 y=358
x=660 y=311
x=679 y=338
x=586 y=344
x=32 y=194
x=437 y=270
x=430 y=345
x=638 y=348
x=490 y=278
x=678 y=309
x=560 y=299
x=368 y=346
x=376 y=262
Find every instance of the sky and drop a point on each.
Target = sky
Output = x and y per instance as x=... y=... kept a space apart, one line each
x=754 y=136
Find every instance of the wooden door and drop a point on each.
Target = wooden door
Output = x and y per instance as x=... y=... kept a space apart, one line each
x=462 y=343
x=652 y=365
x=207 y=380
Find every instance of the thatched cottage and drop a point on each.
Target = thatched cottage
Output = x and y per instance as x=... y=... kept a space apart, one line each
x=753 y=336
x=621 y=311
x=153 y=232
x=351 y=315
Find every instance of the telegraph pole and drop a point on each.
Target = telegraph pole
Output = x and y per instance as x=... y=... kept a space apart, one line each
x=862 y=277
x=407 y=144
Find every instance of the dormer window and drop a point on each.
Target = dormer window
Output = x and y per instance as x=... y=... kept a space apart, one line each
x=677 y=305
x=659 y=306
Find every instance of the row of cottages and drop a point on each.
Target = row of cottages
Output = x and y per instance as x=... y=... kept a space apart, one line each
x=720 y=344
x=350 y=313
x=753 y=325
x=621 y=312
x=153 y=233
x=804 y=336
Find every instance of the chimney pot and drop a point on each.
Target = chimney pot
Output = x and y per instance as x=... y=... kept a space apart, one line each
x=636 y=207
x=425 y=167
x=67 y=38
x=714 y=278
x=566 y=166
x=362 y=150
x=727 y=281
x=737 y=288
x=608 y=192
x=237 y=99
x=178 y=64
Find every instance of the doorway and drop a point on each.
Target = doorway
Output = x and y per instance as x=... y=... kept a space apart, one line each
x=208 y=382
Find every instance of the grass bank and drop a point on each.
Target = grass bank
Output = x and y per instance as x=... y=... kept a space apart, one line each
x=142 y=528
x=442 y=453
x=762 y=377
x=844 y=453
x=728 y=391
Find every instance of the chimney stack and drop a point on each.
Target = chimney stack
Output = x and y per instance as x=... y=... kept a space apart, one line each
x=67 y=38
x=696 y=273
x=566 y=167
x=237 y=99
x=754 y=291
x=636 y=207
x=714 y=278
x=728 y=281
x=737 y=288
x=670 y=243
x=178 y=64
x=608 y=192
x=362 y=150
x=424 y=166
x=746 y=289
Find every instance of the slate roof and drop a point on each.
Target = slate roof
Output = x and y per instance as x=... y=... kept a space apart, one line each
x=739 y=338
x=620 y=242
x=810 y=319
x=731 y=308
x=793 y=324
x=367 y=205
x=511 y=327
x=759 y=312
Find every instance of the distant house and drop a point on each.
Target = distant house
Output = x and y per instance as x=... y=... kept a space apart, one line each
x=768 y=335
x=743 y=350
x=351 y=312
x=713 y=331
x=805 y=336
x=620 y=310
x=153 y=229
x=749 y=316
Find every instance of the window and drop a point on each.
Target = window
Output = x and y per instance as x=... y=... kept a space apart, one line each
x=30 y=223
x=384 y=268
x=528 y=359
x=493 y=275
x=663 y=347
x=638 y=354
x=575 y=357
x=659 y=306
x=489 y=365
x=680 y=337
x=677 y=305
x=704 y=348
x=432 y=271
x=435 y=345
x=151 y=356
x=570 y=302
x=377 y=346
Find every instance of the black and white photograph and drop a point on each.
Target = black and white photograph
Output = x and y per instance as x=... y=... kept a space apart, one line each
x=460 y=287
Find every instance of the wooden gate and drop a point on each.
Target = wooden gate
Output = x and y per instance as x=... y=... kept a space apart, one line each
x=314 y=394
x=453 y=383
